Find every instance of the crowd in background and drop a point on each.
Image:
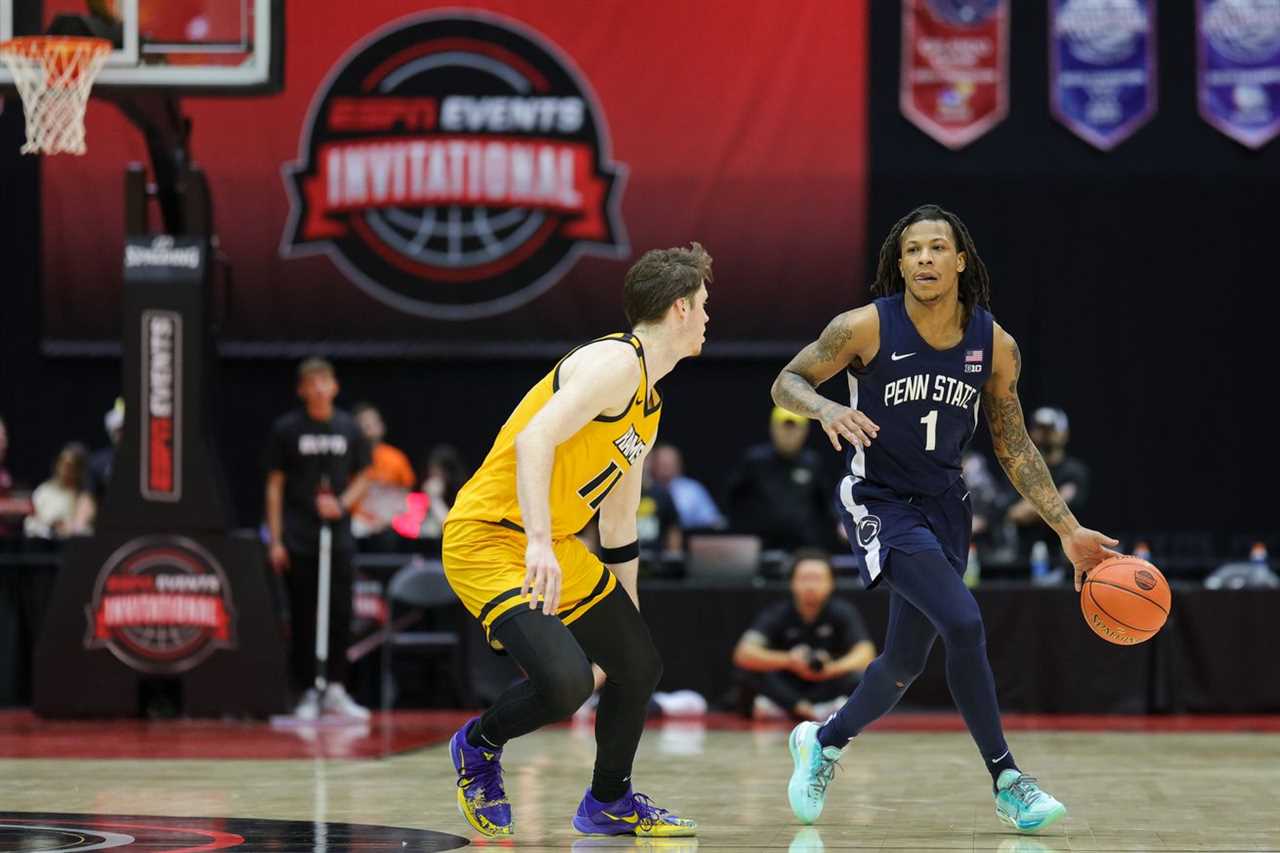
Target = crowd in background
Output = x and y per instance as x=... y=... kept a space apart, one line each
x=780 y=491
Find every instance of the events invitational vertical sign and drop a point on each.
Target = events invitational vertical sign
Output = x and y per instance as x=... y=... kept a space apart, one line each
x=955 y=67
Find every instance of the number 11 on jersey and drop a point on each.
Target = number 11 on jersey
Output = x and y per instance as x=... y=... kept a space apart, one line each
x=931 y=430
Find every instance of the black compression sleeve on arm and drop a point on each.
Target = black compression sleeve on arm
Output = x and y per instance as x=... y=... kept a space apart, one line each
x=626 y=553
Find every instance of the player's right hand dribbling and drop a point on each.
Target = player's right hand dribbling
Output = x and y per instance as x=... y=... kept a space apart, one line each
x=843 y=422
x=541 y=577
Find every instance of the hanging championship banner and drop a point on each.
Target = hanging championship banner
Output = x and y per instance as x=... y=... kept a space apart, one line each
x=1102 y=78
x=955 y=67
x=1238 y=79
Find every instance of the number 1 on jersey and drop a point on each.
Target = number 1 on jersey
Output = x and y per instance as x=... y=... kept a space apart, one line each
x=931 y=430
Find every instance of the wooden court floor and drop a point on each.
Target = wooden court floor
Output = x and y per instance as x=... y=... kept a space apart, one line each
x=912 y=790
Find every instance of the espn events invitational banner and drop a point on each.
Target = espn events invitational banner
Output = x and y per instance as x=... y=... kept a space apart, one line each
x=487 y=174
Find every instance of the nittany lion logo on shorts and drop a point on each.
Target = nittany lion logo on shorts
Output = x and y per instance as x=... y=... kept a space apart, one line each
x=454 y=165
x=868 y=530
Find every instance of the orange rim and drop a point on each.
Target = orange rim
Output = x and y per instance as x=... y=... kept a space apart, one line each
x=46 y=46
x=64 y=56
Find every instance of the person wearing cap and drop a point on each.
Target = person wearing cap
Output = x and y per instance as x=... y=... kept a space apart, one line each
x=780 y=490
x=1050 y=431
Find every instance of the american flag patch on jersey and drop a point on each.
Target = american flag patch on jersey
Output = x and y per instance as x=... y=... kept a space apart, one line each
x=973 y=355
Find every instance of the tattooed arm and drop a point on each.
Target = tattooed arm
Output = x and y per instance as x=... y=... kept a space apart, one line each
x=1024 y=464
x=852 y=338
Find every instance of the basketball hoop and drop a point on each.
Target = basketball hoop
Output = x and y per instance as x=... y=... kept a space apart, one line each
x=53 y=75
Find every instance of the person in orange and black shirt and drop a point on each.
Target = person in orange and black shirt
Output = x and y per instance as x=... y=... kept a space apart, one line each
x=390 y=477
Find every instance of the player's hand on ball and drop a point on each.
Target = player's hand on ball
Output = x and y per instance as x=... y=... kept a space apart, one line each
x=541 y=577
x=843 y=422
x=1086 y=548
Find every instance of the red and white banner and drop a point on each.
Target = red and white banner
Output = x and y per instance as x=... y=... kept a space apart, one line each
x=955 y=67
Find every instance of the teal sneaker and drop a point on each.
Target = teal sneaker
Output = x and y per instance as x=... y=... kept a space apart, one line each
x=815 y=765
x=1021 y=804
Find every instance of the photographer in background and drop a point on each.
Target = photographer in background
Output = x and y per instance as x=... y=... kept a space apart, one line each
x=804 y=655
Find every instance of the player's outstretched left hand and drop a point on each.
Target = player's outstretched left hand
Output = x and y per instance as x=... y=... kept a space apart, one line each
x=1086 y=548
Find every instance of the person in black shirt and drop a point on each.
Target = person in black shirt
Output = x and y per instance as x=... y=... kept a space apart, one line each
x=316 y=471
x=781 y=491
x=808 y=650
x=1050 y=431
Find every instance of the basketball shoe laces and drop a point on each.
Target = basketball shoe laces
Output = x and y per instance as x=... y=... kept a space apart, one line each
x=489 y=777
x=649 y=815
x=1026 y=790
x=825 y=773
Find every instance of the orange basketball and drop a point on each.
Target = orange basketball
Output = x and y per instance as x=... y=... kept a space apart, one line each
x=1125 y=600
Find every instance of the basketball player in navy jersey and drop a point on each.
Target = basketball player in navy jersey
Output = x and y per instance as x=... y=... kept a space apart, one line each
x=919 y=360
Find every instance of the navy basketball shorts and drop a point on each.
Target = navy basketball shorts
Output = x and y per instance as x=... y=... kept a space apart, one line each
x=879 y=521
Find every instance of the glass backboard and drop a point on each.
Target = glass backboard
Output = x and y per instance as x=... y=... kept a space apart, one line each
x=210 y=46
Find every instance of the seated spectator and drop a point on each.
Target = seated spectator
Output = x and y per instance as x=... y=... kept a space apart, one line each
x=781 y=491
x=658 y=526
x=446 y=474
x=987 y=499
x=98 y=470
x=390 y=477
x=693 y=503
x=54 y=501
x=805 y=655
x=1050 y=431
x=8 y=526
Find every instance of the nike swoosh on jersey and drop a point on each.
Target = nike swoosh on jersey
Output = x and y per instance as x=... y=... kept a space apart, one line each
x=895 y=357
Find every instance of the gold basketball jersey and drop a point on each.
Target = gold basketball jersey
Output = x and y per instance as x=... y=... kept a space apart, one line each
x=586 y=468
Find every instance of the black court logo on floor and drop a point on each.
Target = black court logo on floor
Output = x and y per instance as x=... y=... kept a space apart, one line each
x=161 y=605
x=454 y=165
x=64 y=833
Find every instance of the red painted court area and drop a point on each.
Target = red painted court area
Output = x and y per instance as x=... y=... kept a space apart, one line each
x=24 y=735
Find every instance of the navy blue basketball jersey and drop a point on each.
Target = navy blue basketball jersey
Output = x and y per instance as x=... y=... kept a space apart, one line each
x=924 y=400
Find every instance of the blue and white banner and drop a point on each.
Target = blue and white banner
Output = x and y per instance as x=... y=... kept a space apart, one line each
x=1238 y=79
x=1102 y=77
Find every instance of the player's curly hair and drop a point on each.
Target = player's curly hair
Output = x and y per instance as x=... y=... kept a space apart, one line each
x=975 y=282
x=659 y=278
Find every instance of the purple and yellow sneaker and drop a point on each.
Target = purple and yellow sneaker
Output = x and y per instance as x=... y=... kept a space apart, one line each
x=632 y=814
x=481 y=797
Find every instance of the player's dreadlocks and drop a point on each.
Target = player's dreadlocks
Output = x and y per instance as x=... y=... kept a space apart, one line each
x=975 y=283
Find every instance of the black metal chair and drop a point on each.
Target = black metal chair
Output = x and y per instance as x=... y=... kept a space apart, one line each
x=417 y=588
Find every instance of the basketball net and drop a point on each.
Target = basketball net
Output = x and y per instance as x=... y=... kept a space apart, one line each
x=54 y=74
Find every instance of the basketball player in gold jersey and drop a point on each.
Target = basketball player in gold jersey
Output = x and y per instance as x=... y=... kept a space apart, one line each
x=574 y=445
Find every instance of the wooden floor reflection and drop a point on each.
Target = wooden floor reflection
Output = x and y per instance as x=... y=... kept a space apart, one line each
x=1125 y=791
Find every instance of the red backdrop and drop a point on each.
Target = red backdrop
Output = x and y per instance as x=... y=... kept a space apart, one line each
x=741 y=124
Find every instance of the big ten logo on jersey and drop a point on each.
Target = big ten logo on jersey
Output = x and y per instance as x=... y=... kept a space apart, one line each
x=927 y=386
x=630 y=445
x=324 y=444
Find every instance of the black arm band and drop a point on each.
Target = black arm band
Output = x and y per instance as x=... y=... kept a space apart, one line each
x=614 y=556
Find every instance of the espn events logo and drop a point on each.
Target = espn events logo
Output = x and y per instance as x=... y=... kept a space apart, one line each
x=161 y=458
x=161 y=605
x=454 y=165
